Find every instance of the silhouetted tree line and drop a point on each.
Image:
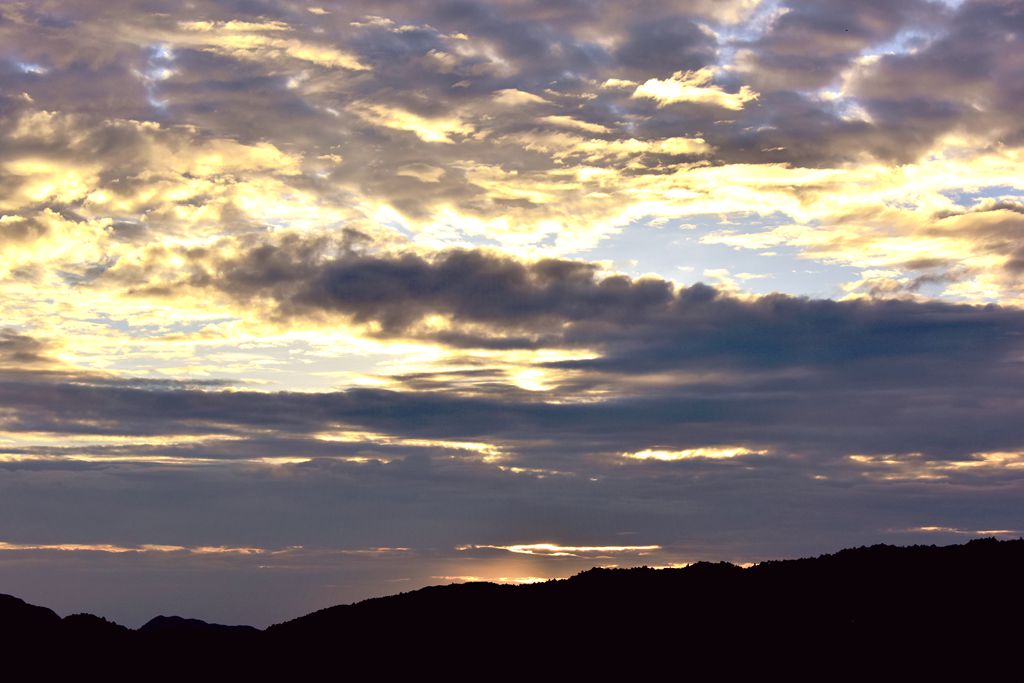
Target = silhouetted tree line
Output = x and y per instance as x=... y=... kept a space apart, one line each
x=878 y=613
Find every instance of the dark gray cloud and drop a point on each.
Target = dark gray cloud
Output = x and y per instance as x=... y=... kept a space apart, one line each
x=809 y=43
x=691 y=365
x=933 y=70
x=20 y=350
x=969 y=75
x=553 y=302
x=657 y=47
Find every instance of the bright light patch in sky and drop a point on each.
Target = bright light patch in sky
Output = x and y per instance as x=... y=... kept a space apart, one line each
x=711 y=452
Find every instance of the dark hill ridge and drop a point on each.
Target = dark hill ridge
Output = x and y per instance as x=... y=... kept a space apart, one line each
x=16 y=613
x=181 y=626
x=920 y=608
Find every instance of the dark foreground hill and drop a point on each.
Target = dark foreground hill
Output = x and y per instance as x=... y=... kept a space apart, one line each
x=883 y=612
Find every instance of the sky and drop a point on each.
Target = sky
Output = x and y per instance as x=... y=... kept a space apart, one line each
x=306 y=303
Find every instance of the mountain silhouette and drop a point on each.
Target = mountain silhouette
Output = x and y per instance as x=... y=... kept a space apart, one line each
x=881 y=611
x=179 y=626
x=20 y=616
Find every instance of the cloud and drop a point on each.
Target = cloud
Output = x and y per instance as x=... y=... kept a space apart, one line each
x=21 y=350
x=807 y=45
x=693 y=86
x=692 y=365
x=262 y=42
x=428 y=129
x=709 y=452
x=560 y=302
x=965 y=78
x=422 y=172
x=513 y=98
x=145 y=548
x=556 y=550
x=570 y=122
x=665 y=44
